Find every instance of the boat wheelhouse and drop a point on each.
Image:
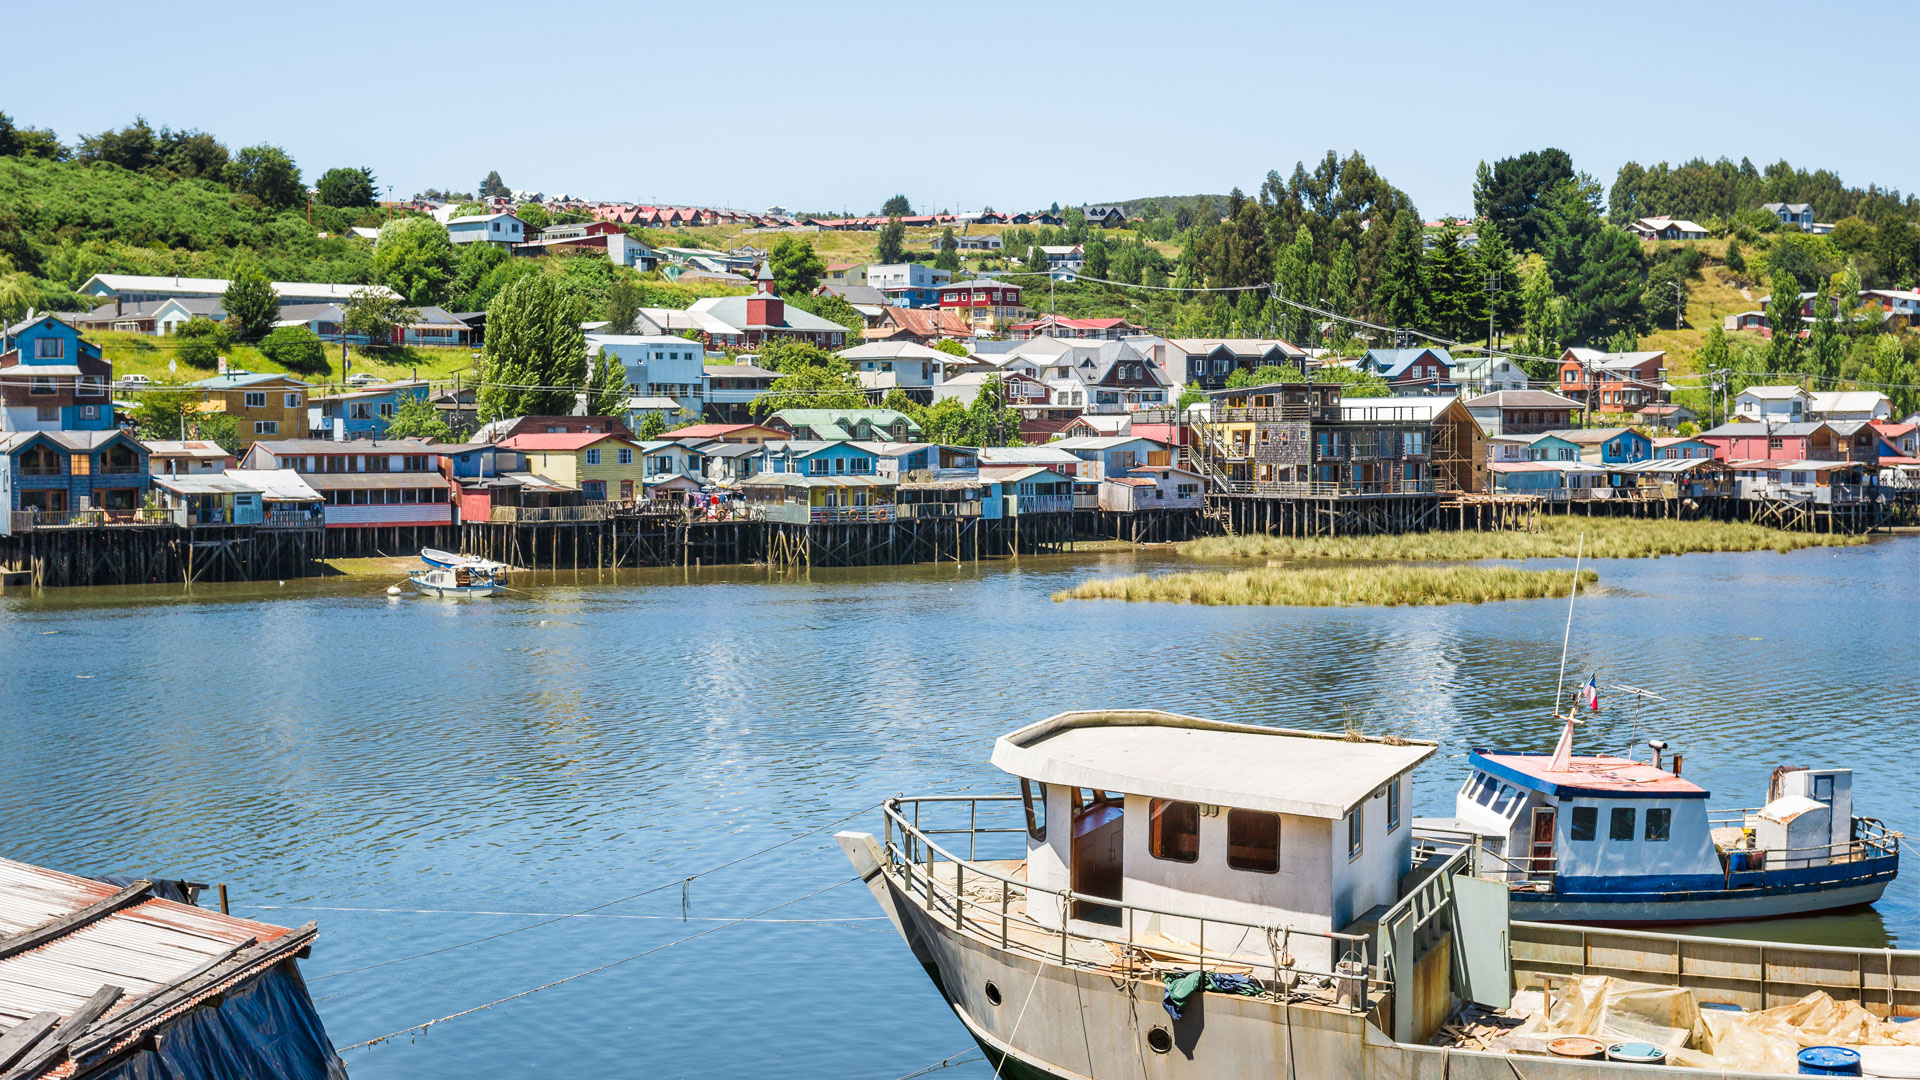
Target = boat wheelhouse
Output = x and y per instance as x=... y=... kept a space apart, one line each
x=1168 y=897
x=1616 y=840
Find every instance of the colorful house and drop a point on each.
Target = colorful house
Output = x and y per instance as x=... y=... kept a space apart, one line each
x=501 y=230
x=59 y=475
x=1023 y=490
x=1680 y=448
x=1522 y=412
x=216 y=499
x=361 y=414
x=837 y=424
x=366 y=484
x=1610 y=382
x=1608 y=446
x=187 y=458
x=51 y=379
x=798 y=499
x=753 y=434
x=812 y=457
x=1114 y=455
x=262 y=406
x=673 y=465
x=1411 y=371
x=1546 y=447
x=605 y=467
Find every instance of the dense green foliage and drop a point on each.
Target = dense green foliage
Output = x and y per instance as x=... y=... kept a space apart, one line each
x=374 y=316
x=346 y=187
x=414 y=417
x=415 y=259
x=297 y=349
x=202 y=342
x=174 y=413
x=534 y=362
x=796 y=269
x=251 y=305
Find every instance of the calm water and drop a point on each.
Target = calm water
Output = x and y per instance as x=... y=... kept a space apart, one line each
x=416 y=774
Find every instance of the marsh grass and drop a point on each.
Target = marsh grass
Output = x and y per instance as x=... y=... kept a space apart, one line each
x=1606 y=538
x=1333 y=586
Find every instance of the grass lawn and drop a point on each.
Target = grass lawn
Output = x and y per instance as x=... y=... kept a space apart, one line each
x=148 y=355
x=1606 y=538
x=860 y=247
x=1333 y=586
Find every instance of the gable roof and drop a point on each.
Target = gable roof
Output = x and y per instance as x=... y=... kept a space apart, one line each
x=1521 y=399
x=1392 y=363
x=561 y=441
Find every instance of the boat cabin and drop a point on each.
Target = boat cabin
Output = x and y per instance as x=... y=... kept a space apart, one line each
x=1259 y=825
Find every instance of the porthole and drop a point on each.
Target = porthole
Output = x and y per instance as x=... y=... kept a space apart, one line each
x=993 y=994
x=1159 y=1040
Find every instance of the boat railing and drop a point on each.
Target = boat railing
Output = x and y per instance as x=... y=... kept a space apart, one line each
x=913 y=854
x=1430 y=841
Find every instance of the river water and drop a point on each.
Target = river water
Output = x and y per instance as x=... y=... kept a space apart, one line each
x=419 y=774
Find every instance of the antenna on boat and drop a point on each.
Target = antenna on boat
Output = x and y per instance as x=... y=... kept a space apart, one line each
x=1563 y=751
x=1640 y=698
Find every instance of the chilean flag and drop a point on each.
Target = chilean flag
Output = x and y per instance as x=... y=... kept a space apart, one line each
x=1590 y=695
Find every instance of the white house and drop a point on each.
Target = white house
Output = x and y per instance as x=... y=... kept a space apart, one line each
x=1850 y=405
x=1773 y=404
x=658 y=366
x=909 y=284
x=1488 y=374
x=1667 y=228
x=500 y=229
x=884 y=365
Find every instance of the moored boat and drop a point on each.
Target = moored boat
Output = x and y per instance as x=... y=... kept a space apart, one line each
x=459 y=580
x=1173 y=897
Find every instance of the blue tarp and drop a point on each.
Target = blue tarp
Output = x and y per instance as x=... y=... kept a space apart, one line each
x=265 y=1029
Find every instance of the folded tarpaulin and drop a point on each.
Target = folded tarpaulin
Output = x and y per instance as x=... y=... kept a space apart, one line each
x=1182 y=985
x=266 y=1028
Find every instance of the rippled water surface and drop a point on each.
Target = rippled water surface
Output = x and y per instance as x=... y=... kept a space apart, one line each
x=418 y=774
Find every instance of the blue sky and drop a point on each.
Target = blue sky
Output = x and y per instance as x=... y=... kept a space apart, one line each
x=824 y=106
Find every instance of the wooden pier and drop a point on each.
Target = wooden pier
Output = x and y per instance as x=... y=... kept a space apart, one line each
x=159 y=553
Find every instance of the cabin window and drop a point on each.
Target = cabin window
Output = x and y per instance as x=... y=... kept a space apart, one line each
x=1253 y=841
x=1036 y=808
x=1586 y=822
x=1659 y=823
x=1488 y=793
x=1173 y=832
x=1393 y=806
x=1823 y=789
x=1620 y=826
x=1355 y=833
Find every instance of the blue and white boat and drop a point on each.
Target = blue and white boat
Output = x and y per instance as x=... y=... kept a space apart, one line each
x=1614 y=840
x=460 y=580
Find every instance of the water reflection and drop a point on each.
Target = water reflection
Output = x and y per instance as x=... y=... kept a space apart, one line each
x=427 y=766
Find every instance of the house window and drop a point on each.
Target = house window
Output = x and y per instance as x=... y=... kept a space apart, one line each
x=1659 y=822
x=46 y=414
x=1036 y=808
x=41 y=384
x=49 y=348
x=1253 y=841
x=1586 y=822
x=1173 y=830
x=89 y=412
x=256 y=400
x=266 y=427
x=386 y=408
x=626 y=455
x=1393 y=806
x=1355 y=832
x=1774 y=444
x=90 y=386
x=593 y=457
x=291 y=401
x=1620 y=825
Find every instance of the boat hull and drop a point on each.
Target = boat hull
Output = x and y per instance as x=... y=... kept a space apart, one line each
x=458 y=590
x=1693 y=908
x=1061 y=1022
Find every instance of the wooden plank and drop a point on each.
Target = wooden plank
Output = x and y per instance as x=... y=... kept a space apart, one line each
x=48 y=1051
x=23 y=1035
x=62 y=925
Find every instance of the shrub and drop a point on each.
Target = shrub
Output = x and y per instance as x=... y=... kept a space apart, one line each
x=202 y=342
x=297 y=349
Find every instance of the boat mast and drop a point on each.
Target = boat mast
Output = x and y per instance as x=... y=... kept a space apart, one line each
x=1567 y=637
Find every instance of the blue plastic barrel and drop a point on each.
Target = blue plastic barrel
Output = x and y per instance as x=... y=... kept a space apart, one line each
x=1829 y=1061
x=1721 y=1006
x=1637 y=1053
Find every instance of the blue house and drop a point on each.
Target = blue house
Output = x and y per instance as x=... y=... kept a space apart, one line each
x=1679 y=448
x=51 y=379
x=809 y=458
x=61 y=474
x=1608 y=446
x=1411 y=371
x=499 y=229
x=363 y=414
x=1552 y=448
x=1030 y=489
x=478 y=461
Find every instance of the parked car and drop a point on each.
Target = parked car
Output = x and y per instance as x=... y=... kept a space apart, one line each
x=363 y=379
x=135 y=380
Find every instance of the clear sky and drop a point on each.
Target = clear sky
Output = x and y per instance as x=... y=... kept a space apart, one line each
x=1008 y=104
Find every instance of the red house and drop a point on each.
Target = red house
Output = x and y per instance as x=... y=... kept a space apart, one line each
x=1056 y=326
x=1612 y=382
x=983 y=300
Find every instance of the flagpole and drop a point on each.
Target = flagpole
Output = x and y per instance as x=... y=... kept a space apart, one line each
x=1567 y=638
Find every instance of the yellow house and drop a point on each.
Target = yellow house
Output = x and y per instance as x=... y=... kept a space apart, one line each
x=606 y=468
x=264 y=407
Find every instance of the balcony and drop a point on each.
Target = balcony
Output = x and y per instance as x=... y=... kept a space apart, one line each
x=1043 y=504
x=937 y=511
x=846 y=515
x=529 y=515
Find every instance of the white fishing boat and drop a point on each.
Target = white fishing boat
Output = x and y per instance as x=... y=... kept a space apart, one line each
x=1170 y=897
x=444 y=560
x=459 y=580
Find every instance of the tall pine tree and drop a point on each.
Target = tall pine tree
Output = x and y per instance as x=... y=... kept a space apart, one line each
x=1400 y=296
x=1451 y=288
x=1494 y=262
x=534 y=362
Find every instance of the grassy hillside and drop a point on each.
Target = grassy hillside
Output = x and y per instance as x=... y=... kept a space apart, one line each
x=139 y=354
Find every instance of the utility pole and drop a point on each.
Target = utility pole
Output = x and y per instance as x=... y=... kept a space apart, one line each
x=1493 y=289
x=1679 y=302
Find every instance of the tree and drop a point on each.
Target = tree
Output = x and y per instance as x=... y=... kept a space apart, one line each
x=346 y=187
x=533 y=215
x=950 y=347
x=1825 y=347
x=1190 y=395
x=1262 y=376
x=1494 y=264
x=268 y=174
x=1570 y=217
x=623 y=303
x=534 y=362
x=414 y=258
x=796 y=269
x=1401 y=294
x=167 y=412
x=893 y=242
x=1514 y=194
x=202 y=342
x=652 y=426
x=1454 y=293
x=1342 y=280
x=29 y=142
x=949 y=255
x=990 y=420
x=251 y=304
x=809 y=386
x=1735 y=261
x=1096 y=260
x=1606 y=292
x=135 y=147
x=297 y=349
x=373 y=317
x=493 y=186
x=1542 y=314
x=471 y=265
x=1353 y=382
x=834 y=308
x=607 y=388
x=414 y=417
x=897 y=206
x=1037 y=259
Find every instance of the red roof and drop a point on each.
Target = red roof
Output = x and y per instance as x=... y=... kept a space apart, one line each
x=1603 y=773
x=558 y=440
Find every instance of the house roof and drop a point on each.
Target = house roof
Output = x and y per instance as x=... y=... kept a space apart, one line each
x=561 y=441
x=1588 y=436
x=715 y=431
x=1391 y=363
x=1163 y=755
x=896 y=350
x=279 y=485
x=193 y=285
x=191 y=448
x=732 y=311
x=1016 y=473
x=205 y=483
x=1750 y=428
x=1602 y=776
x=1521 y=399
x=1050 y=454
x=1847 y=400
x=1772 y=393
x=1100 y=442
x=236 y=382
x=352 y=446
